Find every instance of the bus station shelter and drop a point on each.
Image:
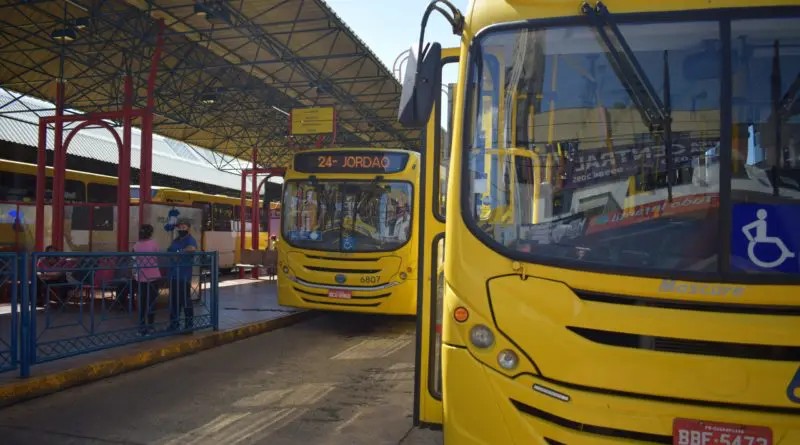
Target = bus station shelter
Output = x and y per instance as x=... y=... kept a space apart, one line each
x=225 y=75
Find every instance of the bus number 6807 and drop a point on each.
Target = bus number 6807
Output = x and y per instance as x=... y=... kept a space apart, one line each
x=370 y=279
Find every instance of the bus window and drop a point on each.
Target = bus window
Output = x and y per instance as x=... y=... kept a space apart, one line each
x=17 y=187
x=22 y=187
x=96 y=218
x=101 y=193
x=449 y=70
x=74 y=191
x=263 y=216
x=347 y=216
x=135 y=194
x=222 y=217
x=206 y=207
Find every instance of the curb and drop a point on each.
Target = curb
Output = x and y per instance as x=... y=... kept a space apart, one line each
x=80 y=375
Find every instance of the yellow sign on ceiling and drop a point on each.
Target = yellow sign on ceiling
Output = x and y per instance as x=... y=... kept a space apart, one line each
x=313 y=120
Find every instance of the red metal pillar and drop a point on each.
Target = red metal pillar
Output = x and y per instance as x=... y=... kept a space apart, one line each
x=254 y=212
x=124 y=171
x=41 y=181
x=242 y=232
x=146 y=159
x=59 y=167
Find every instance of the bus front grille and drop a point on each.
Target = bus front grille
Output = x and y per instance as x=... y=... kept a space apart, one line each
x=337 y=270
x=689 y=346
x=701 y=306
x=616 y=433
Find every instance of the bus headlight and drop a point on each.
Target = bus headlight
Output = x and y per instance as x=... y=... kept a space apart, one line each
x=481 y=336
x=507 y=359
x=403 y=275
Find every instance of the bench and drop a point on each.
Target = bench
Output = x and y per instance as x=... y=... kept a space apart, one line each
x=266 y=259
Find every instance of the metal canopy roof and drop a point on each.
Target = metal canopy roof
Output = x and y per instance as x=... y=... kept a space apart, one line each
x=257 y=58
x=170 y=157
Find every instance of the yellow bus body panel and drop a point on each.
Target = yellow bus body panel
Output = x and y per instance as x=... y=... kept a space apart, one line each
x=585 y=385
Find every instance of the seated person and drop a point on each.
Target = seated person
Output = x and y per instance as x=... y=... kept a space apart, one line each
x=54 y=280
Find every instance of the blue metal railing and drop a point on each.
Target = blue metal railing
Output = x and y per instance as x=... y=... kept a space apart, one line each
x=11 y=270
x=78 y=302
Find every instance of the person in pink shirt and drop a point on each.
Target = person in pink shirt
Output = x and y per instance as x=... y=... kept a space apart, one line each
x=146 y=275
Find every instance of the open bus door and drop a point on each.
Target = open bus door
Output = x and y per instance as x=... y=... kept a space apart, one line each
x=428 y=408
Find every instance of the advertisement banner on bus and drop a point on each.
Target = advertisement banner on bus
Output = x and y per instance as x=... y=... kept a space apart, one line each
x=590 y=166
x=658 y=209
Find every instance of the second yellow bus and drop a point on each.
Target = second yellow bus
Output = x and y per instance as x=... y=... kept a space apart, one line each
x=349 y=231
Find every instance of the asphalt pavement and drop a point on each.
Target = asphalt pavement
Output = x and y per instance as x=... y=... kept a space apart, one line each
x=334 y=379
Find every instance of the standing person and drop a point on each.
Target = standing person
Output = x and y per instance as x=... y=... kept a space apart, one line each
x=147 y=276
x=180 y=282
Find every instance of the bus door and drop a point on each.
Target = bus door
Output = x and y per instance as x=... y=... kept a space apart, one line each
x=436 y=161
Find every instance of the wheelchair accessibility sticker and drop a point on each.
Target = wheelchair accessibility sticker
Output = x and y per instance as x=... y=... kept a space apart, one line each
x=793 y=390
x=765 y=238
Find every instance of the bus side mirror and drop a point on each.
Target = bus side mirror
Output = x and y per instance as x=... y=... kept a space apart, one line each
x=421 y=87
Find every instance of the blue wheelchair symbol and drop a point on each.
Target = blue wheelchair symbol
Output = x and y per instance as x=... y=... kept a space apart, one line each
x=793 y=390
x=349 y=243
x=761 y=237
x=764 y=238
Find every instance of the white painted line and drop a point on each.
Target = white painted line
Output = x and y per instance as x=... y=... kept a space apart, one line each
x=260 y=424
x=307 y=394
x=349 y=421
x=372 y=348
x=210 y=428
x=262 y=399
x=304 y=394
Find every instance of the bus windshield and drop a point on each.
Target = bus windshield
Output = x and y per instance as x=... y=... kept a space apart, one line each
x=347 y=216
x=566 y=165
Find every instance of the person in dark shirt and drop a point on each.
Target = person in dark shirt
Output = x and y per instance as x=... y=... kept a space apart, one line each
x=180 y=276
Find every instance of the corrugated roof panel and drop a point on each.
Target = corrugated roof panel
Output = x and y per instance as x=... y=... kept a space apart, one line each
x=170 y=157
x=17 y=132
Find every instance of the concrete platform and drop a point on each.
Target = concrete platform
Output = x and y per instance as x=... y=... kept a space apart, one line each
x=247 y=308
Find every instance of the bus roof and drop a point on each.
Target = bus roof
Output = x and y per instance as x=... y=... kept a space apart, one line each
x=482 y=13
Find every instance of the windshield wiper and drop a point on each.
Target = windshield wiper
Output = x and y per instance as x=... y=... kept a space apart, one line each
x=654 y=113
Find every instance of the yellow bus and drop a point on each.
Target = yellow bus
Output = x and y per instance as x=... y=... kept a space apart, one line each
x=90 y=203
x=221 y=229
x=349 y=231
x=622 y=255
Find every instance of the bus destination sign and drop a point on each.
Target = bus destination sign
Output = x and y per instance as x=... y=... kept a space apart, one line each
x=350 y=162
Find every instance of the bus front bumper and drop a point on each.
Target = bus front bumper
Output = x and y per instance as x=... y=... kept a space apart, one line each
x=399 y=299
x=483 y=406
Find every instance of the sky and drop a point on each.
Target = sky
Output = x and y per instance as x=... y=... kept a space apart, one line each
x=390 y=27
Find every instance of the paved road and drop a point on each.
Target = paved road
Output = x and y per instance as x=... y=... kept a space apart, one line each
x=336 y=379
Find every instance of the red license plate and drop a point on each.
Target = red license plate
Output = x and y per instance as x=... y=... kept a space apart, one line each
x=337 y=293
x=698 y=432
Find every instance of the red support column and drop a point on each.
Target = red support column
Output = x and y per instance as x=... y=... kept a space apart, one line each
x=242 y=231
x=124 y=171
x=59 y=167
x=41 y=181
x=146 y=160
x=254 y=211
x=112 y=115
